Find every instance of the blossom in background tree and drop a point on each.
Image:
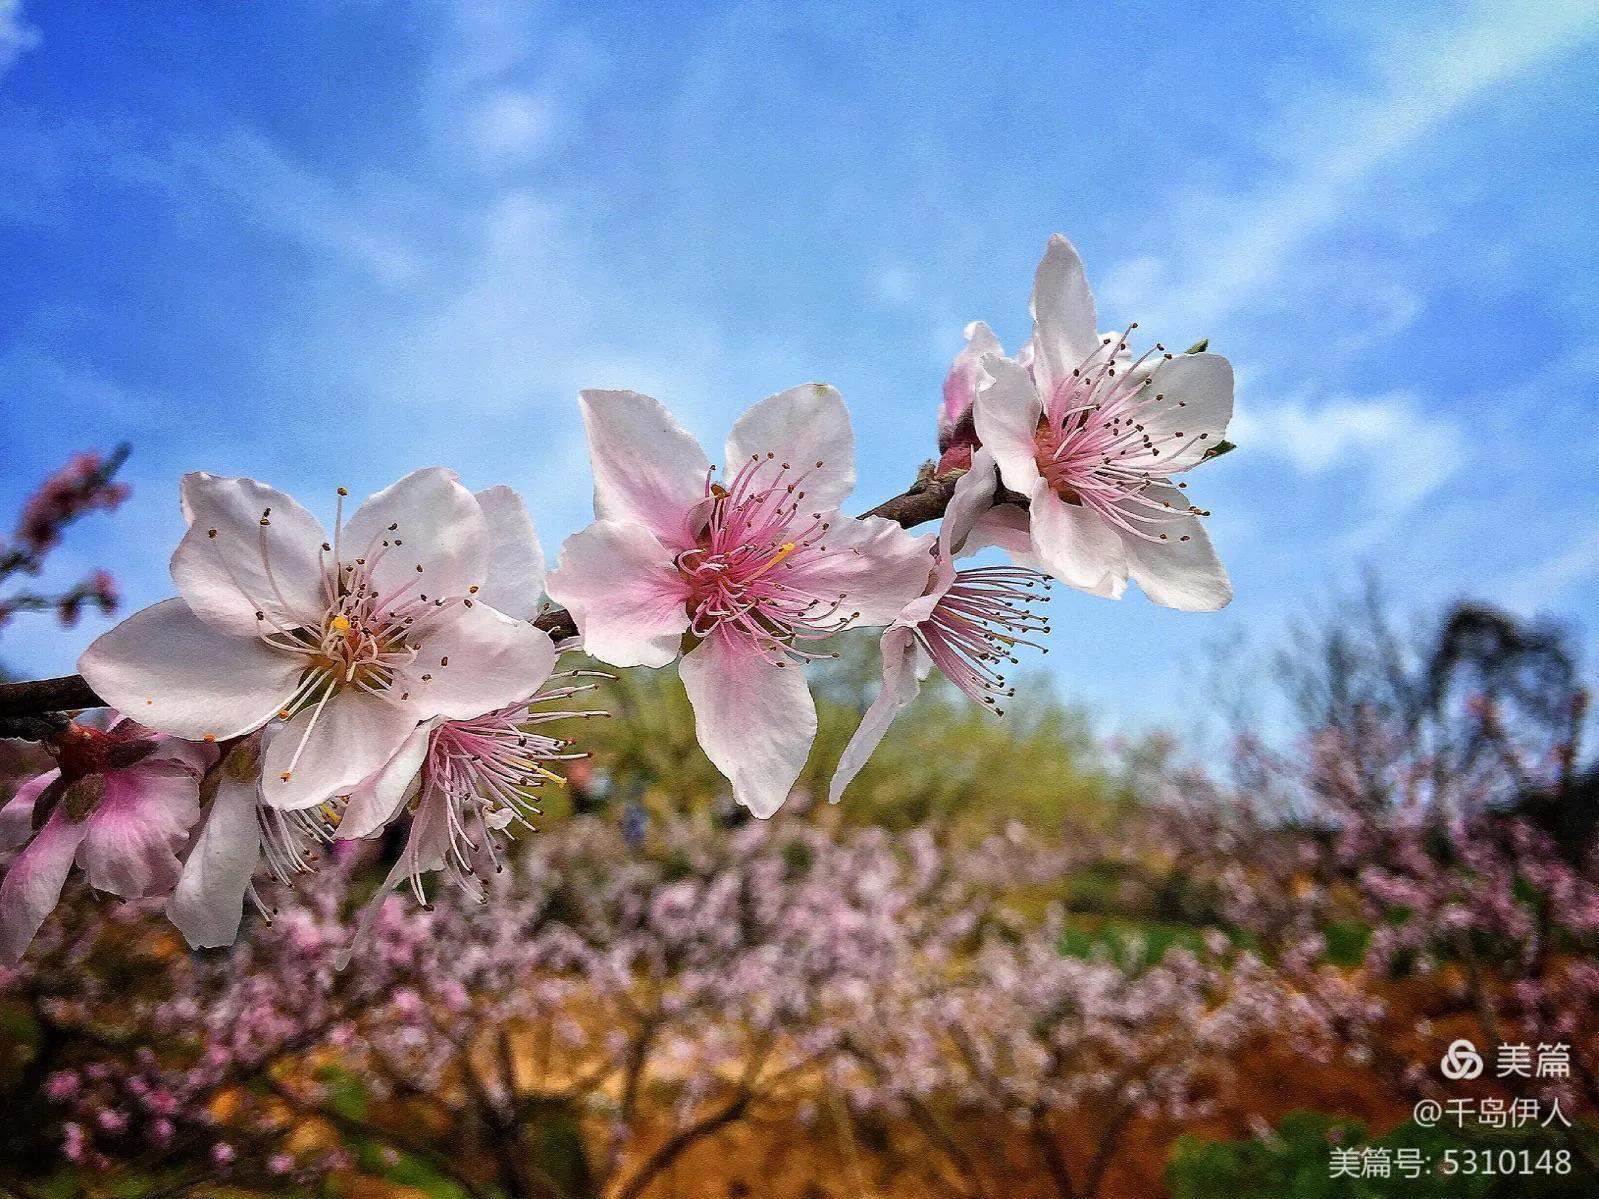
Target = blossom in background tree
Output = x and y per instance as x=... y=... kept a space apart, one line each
x=739 y=577
x=1092 y=438
x=351 y=642
x=966 y=623
x=84 y=484
x=120 y=802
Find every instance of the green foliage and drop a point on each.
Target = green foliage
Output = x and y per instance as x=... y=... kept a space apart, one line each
x=347 y=1095
x=556 y=1152
x=1346 y=941
x=945 y=759
x=1296 y=1161
x=1130 y=944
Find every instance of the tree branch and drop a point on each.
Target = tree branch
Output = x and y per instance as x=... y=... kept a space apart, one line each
x=35 y=698
x=23 y=704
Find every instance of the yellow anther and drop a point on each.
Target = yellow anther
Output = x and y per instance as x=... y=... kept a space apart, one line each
x=783 y=551
x=286 y=775
x=341 y=623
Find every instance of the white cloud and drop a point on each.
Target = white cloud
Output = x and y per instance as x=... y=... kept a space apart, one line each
x=512 y=124
x=1532 y=590
x=506 y=87
x=244 y=171
x=1403 y=455
x=895 y=285
x=17 y=37
x=1230 y=252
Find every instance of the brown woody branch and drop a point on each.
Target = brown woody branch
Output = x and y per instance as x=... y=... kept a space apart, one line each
x=26 y=708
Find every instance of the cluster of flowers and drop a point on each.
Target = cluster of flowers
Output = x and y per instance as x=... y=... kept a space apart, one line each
x=652 y=1000
x=1407 y=921
x=85 y=484
x=310 y=686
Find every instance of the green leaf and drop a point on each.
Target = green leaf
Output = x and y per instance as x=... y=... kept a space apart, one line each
x=1199 y=347
x=1221 y=447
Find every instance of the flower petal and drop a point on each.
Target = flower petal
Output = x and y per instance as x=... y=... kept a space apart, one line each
x=807 y=427
x=140 y=826
x=966 y=377
x=900 y=687
x=231 y=566
x=1182 y=571
x=377 y=799
x=1007 y=415
x=872 y=566
x=1007 y=527
x=1075 y=545
x=1065 y=328
x=973 y=496
x=424 y=851
x=476 y=660
x=16 y=818
x=755 y=720
x=433 y=523
x=627 y=598
x=1187 y=420
x=354 y=735
x=208 y=902
x=516 y=560
x=33 y=883
x=175 y=673
x=647 y=468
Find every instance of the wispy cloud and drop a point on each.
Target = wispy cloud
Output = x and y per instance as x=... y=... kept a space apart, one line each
x=1402 y=454
x=1230 y=252
x=17 y=37
x=1543 y=586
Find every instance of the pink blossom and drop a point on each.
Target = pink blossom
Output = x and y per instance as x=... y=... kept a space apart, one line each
x=748 y=574
x=351 y=639
x=82 y=485
x=957 y=433
x=966 y=622
x=1093 y=439
x=120 y=803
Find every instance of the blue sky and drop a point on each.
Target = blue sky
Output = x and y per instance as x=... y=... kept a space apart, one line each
x=323 y=244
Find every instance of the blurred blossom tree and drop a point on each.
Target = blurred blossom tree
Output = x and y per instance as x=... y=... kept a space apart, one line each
x=615 y=1010
x=1475 y=708
x=85 y=484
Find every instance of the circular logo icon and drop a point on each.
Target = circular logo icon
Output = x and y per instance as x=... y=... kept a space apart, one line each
x=1461 y=1060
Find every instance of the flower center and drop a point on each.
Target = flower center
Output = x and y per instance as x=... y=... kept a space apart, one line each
x=367 y=637
x=1093 y=447
x=748 y=571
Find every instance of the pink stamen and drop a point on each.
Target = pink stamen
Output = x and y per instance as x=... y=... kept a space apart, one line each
x=1093 y=449
x=985 y=614
x=748 y=572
